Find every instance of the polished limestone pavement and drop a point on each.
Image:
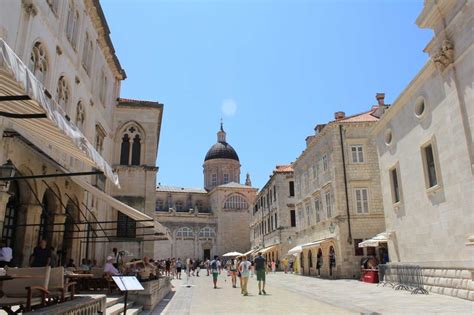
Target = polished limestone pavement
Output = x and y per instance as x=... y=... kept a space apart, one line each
x=293 y=294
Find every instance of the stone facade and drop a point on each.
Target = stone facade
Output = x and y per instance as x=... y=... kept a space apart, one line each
x=425 y=149
x=211 y=221
x=338 y=195
x=66 y=45
x=271 y=228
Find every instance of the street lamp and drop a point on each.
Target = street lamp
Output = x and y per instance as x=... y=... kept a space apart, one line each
x=7 y=171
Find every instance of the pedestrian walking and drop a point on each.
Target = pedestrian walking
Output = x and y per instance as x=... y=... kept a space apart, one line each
x=260 y=269
x=207 y=265
x=273 y=266
x=244 y=269
x=168 y=267
x=215 y=267
x=233 y=271
x=179 y=266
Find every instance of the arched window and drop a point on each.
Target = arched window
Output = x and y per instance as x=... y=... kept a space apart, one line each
x=125 y=150
x=131 y=146
x=207 y=232
x=236 y=202
x=80 y=115
x=87 y=53
x=62 y=92
x=11 y=215
x=103 y=87
x=136 y=147
x=38 y=62
x=184 y=232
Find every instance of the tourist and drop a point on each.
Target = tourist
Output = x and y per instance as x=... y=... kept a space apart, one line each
x=244 y=269
x=285 y=265
x=220 y=265
x=5 y=254
x=215 y=267
x=54 y=257
x=84 y=265
x=197 y=266
x=179 y=266
x=41 y=256
x=116 y=257
x=273 y=266
x=207 y=265
x=149 y=266
x=167 y=267
x=109 y=267
x=173 y=267
x=71 y=264
x=260 y=267
x=233 y=271
x=291 y=266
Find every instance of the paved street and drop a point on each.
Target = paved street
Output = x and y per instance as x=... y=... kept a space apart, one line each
x=292 y=294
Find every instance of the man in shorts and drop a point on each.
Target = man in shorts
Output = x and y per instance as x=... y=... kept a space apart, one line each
x=215 y=266
x=260 y=266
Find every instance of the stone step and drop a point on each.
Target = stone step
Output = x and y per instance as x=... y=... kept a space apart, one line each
x=135 y=310
x=118 y=308
x=112 y=300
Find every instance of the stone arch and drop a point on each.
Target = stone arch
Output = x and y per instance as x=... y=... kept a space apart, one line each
x=235 y=201
x=39 y=61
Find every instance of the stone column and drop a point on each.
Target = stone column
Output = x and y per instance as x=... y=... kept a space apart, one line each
x=57 y=239
x=4 y=196
x=30 y=233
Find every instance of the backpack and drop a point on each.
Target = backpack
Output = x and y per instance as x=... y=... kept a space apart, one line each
x=214 y=265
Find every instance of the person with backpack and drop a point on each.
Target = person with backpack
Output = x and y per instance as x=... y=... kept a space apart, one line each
x=215 y=266
x=260 y=267
x=244 y=269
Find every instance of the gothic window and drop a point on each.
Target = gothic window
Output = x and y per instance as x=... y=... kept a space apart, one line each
x=99 y=138
x=38 y=62
x=131 y=146
x=207 y=232
x=80 y=115
x=179 y=206
x=159 y=205
x=236 y=202
x=136 y=150
x=125 y=150
x=184 y=232
x=72 y=25
x=62 y=92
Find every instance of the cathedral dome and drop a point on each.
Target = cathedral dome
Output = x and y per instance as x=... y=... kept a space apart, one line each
x=221 y=150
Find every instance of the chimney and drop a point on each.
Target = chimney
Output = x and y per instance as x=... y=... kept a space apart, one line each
x=380 y=98
x=339 y=115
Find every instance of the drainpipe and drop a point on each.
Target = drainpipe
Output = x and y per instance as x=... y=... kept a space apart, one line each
x=349 y=238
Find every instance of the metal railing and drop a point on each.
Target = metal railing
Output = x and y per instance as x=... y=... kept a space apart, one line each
x=402 y=277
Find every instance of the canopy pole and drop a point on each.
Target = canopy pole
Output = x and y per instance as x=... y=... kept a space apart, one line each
x=50 y=175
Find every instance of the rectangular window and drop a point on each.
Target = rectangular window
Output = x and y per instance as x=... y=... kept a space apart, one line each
x=371 y=251
x=292 y=188
x=214 y=180
x=325 y=163
x=292 y=218
x=271 y=222
x=362 y=200
x=395 y=185
x=357 y=154
x=317 y=204
x=328 y=205
x=276 y=221
x=226 y=178
x=126 y=227
x=274 y=193
x=359 y=251
x=430 y=166
x=308 y=215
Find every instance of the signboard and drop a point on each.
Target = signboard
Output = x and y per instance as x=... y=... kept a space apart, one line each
x=127 y=283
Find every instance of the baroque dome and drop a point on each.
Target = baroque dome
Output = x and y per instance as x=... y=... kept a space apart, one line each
x=221 y=150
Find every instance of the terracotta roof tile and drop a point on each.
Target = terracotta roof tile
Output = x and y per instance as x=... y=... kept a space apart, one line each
x=284 y=168
x=362 y=117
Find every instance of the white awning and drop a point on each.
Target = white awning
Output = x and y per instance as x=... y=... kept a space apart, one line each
x=133 y=213
x=315 y=244
x=376 y=240
x=38 y=117
x=295 y=250
x=249 y=252
x=266 y=249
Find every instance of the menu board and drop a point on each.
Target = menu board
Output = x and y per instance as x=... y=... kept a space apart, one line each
x=127 y=283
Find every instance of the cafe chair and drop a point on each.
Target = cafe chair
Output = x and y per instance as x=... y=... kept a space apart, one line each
x=28 y=291
x=60 y=292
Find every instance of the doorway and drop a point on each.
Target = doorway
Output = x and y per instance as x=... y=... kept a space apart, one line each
x=207 y=254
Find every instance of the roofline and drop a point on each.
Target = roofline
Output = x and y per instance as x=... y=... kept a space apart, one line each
x=129 y=102
x=104 y=32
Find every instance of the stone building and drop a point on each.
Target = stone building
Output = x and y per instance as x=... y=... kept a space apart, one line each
x=58 y=67
x=273 y=218
x=426 y=156
x=338 y=196
x=210 y=221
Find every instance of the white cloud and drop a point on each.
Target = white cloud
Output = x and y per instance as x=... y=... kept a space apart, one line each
x=229 y=107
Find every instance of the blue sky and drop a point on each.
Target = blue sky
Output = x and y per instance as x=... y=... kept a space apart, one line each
x=271 y=69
